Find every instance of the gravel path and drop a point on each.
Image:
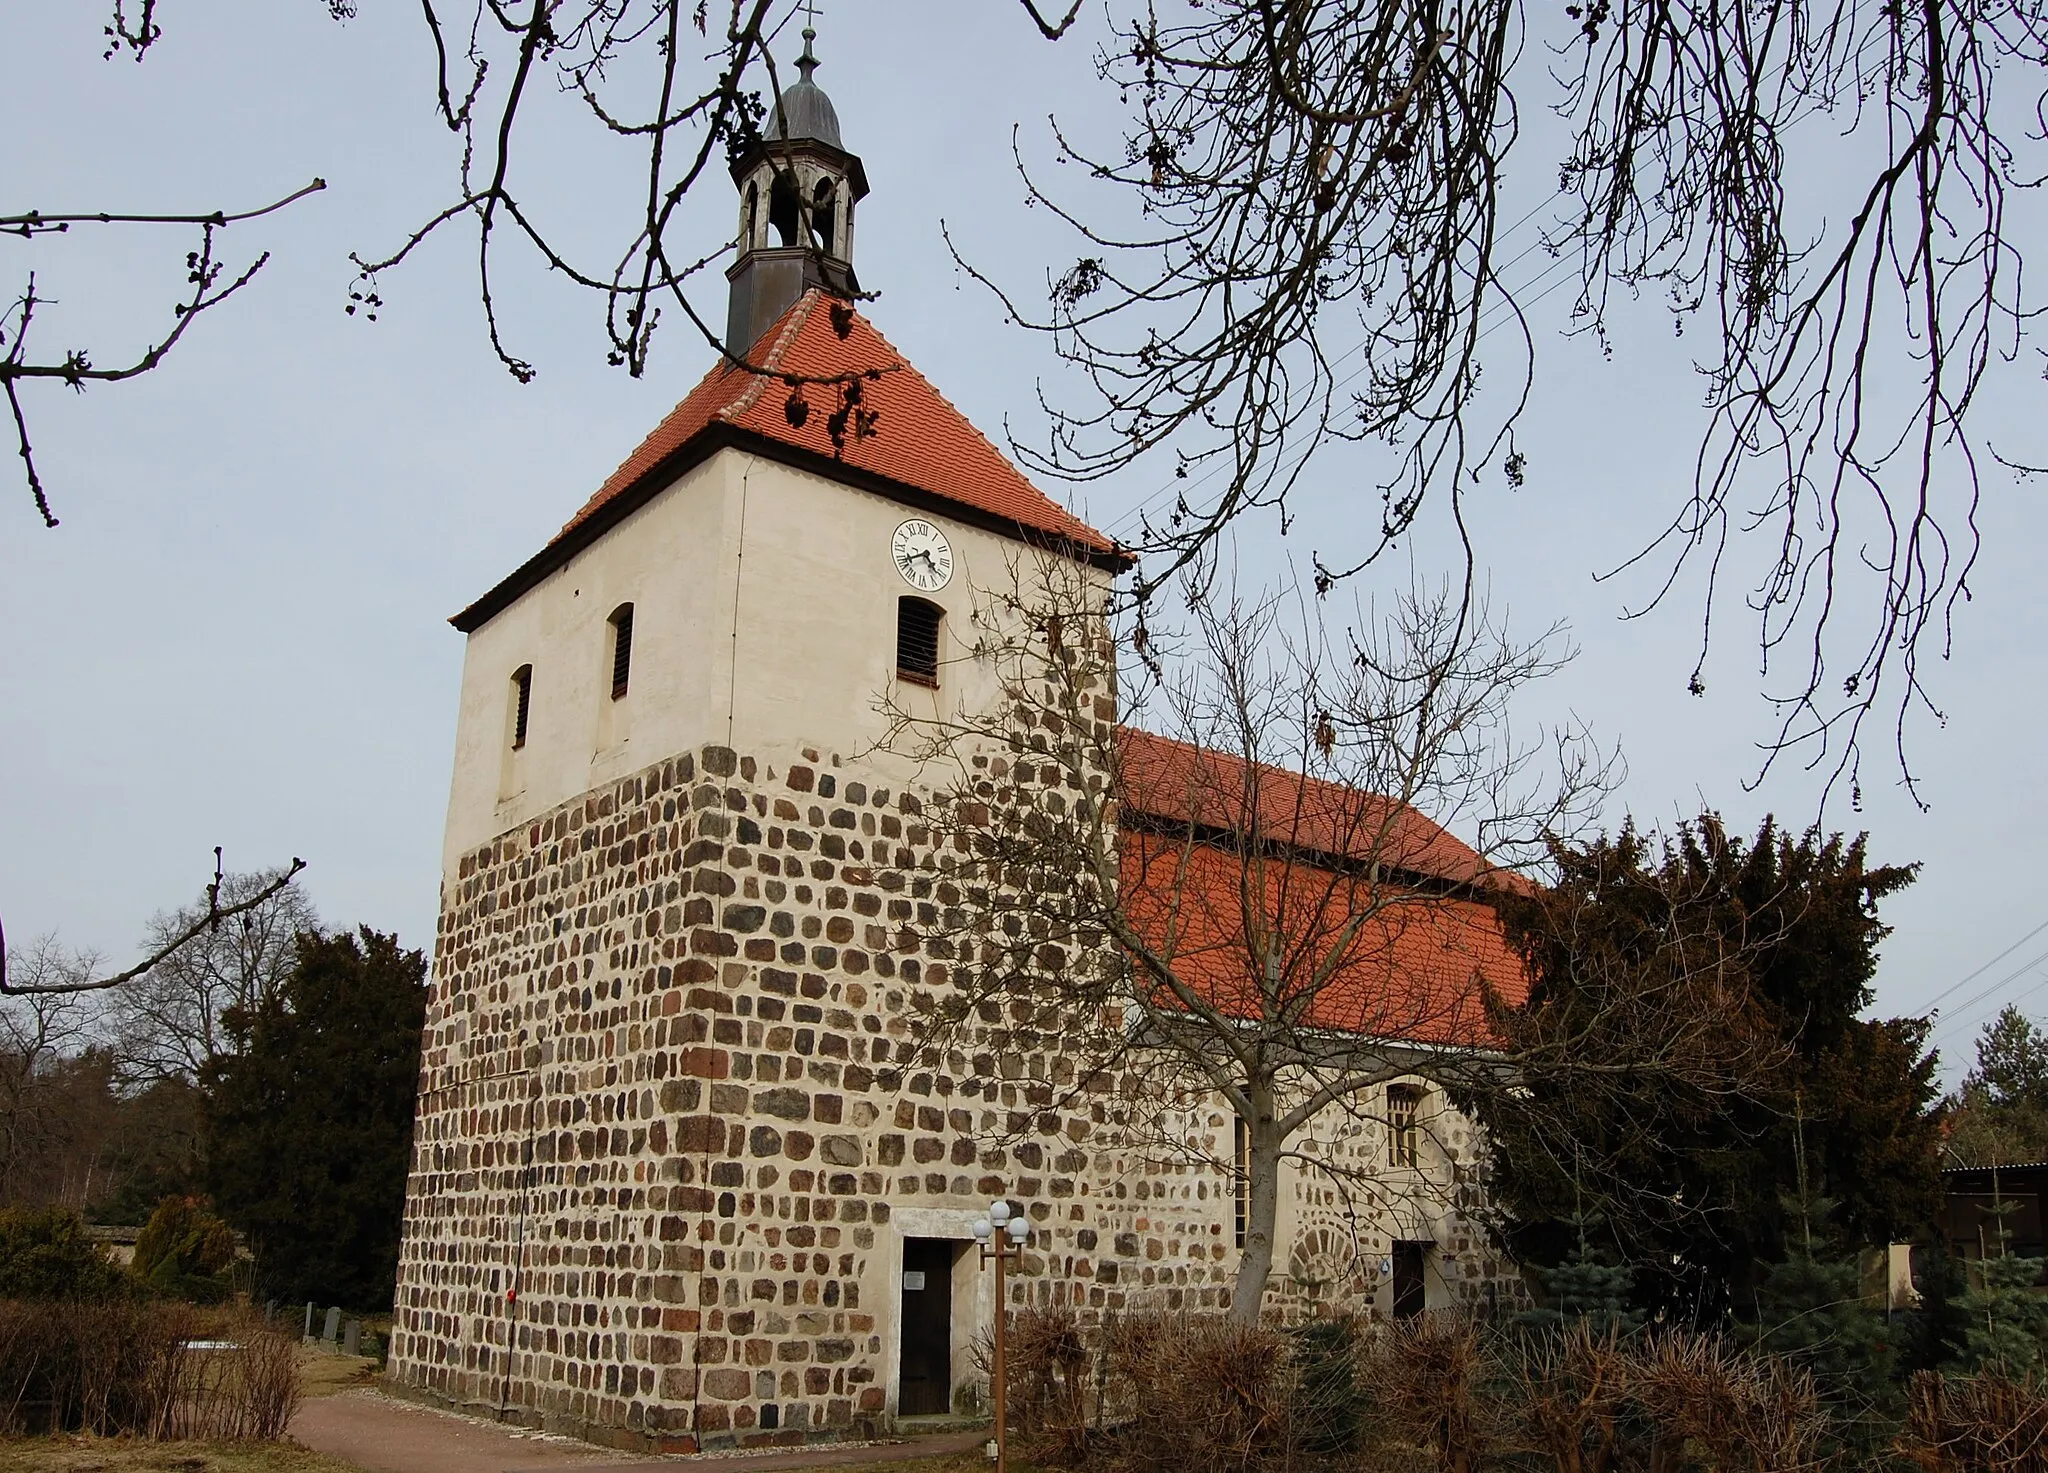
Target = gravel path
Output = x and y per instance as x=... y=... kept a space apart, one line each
x=386 y=1435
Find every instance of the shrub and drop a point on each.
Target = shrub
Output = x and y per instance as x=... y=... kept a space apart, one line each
x=1047 y=1367
x=47 y=1256
x=1741 y=1410
x=1988 y=1423
x=185 y=1251
x=143 y=1369
x=1195 y=1395
x=1326 y=1410
x=1572 y=1385
x=1434 y=1379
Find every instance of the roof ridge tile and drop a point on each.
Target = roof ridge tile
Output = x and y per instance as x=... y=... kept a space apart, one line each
x=771 y=361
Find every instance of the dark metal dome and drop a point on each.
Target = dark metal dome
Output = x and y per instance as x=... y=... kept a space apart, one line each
x=805 y=111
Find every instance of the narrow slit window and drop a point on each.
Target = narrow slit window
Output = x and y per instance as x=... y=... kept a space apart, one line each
x=917 y=640
x=522 y=703
x=1241 y=1179
x=622 y=649
x=1404 y=1103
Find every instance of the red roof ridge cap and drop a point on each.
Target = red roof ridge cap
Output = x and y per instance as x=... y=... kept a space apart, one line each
x=792 y=325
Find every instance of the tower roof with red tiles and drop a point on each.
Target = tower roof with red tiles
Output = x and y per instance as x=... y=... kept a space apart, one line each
x=918 y=438
x=904 y=438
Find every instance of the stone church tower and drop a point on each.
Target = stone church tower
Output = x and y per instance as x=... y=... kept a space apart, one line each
x=662 y=1194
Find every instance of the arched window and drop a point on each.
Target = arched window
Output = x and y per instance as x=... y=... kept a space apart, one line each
x=522 y=703
x=783 y=211
x=1404 y=1104
x=917 y=640
x=622 y=649
x=821 y=217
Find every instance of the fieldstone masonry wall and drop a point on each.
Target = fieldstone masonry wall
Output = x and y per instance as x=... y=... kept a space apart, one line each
x=658 y=1156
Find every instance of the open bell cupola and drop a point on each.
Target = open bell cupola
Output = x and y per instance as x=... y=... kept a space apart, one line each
x=798 y=187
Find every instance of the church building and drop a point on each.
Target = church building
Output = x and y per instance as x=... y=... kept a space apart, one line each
x=669 y=1188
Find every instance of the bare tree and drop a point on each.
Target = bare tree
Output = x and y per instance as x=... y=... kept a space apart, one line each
x=1260 y=903
x=207 y=282
x=207 y=286
x=168 y=1021
x=41 y=1027
x=1305 y=182
x=1308 y=182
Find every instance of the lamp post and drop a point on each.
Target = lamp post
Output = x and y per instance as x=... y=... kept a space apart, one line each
x=1001 y=1236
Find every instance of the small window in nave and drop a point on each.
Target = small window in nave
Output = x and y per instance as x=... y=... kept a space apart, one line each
x=1404 y=1104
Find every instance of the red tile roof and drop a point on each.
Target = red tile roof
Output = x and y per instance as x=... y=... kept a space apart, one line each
x=1184 y=784
x=1415 y=970
x=920 y=440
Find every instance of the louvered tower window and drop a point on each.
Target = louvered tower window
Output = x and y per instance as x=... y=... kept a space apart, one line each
x=622 y=649
x=917 y=640
x=522 y=703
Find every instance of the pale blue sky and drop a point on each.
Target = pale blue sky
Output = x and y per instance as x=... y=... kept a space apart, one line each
x=238 y=635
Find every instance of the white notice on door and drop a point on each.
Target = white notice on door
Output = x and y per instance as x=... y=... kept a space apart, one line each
x=913 y=1278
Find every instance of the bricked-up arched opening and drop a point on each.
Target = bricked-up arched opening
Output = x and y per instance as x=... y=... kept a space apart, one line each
x=621 y=622
x=917 y=640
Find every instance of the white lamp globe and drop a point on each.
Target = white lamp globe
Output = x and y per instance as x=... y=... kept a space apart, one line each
x=1019 y=1230
x=999 y=1213
x=982 y=1228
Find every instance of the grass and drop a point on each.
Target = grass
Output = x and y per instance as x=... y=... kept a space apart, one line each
x=133 y=1455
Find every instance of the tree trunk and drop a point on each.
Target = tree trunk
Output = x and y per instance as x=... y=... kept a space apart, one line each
x=1262 y=1170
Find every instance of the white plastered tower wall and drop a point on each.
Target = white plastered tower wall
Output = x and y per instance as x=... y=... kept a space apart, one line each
x=765 y=613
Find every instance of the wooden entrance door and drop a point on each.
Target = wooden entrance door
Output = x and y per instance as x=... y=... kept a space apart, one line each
x=926 y=1384
x=1409 y=1294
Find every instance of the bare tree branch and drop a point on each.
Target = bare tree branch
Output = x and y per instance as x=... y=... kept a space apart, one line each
x=76 y=368
x=214 y=914
x=1306 y=184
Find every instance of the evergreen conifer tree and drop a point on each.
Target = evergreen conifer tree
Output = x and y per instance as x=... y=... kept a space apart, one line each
x=2006 y=1319
x=1585 y=1286
x=1810 y=1308
x=309 y=1121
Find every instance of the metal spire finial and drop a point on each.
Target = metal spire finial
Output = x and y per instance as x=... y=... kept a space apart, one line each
x=808 y=63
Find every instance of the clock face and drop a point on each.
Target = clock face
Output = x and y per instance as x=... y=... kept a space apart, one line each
x=923 y=556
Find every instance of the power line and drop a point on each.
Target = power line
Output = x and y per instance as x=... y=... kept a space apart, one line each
x=1961 y=1015
x=1934 y=1040
x=1958 y=986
